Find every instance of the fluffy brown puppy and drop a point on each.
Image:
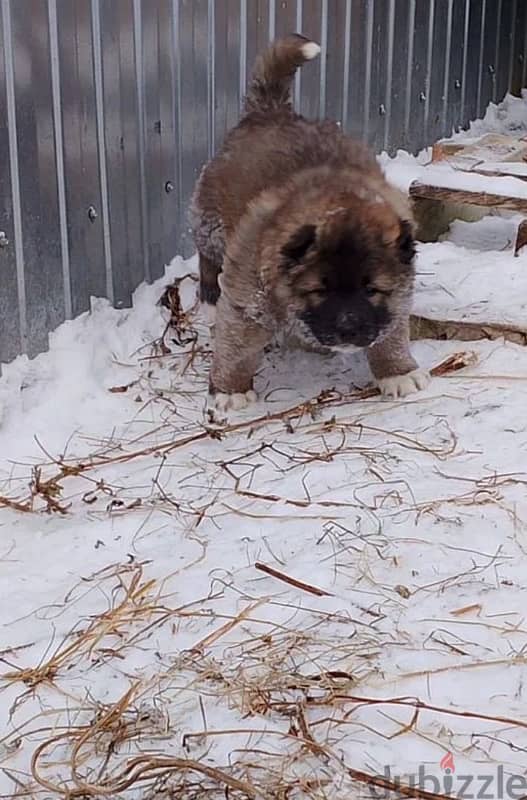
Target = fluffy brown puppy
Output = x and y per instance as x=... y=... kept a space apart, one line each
x=295 y=223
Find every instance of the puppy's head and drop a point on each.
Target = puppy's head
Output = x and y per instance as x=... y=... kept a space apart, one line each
x=348 y=276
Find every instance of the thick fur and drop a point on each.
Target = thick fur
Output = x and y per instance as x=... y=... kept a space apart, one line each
x=294 y=221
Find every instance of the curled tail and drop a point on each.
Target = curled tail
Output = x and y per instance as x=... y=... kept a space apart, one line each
x=274 y=70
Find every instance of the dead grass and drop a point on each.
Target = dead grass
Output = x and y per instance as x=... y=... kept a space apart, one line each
x=133 y=600
x=46 y=491
x=294 y=687
x=289 y=675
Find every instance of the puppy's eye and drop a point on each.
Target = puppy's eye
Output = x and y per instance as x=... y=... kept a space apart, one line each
x=371 y=291
x=323 y=288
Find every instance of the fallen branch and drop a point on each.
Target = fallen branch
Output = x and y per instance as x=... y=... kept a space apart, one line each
x=281 y=576
x=16 y=505
x=411 y=702
x=453 y=363
x=228 y=626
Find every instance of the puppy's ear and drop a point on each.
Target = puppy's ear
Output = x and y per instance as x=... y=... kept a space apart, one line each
x=299 y=243
x=406 y=242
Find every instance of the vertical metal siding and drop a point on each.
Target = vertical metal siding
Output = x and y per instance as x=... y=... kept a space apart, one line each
x=418 y=87
x=109 y=108
x=474 y=66
x=438 y=68
x=519 y=47
x=491 y=19
x=194 y=112
x=43 y=280
x=358 y=69
x=122 y=152
x=77 y=116
x=12 y=301
x=337 y=61
x=157 y=132
x=453 y=96
x=228 y=62
x=402 y=56
x=378 y=42
x=310 y=97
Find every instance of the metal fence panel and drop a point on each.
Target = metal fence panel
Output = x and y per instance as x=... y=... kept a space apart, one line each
x=359 y=67
x=419 y=83
x=439 y=44
x=400 y=75
x=228 y=38
x=109 y=108
x=157 y=141
x=43 y=279
x=87 y=267
x=313 y=20
x=337 y=61
x=195 y=100
x=504 y=46
x=454 y=79
x=10 y=334
x=519 y=27
x=490 y=37
x=380 y=75
x=470 y=88
x=114 y=33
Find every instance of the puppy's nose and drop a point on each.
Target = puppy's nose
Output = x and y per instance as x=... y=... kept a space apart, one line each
x=346 y=322
x=352 y=329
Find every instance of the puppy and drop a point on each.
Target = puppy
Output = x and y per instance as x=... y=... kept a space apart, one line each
x=295 y=223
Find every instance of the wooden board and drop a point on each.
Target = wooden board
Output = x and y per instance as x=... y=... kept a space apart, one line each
x=443 y=194
x=447 y=329
x=490 y=147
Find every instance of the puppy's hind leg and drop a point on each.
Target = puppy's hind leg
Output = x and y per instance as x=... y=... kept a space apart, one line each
x=209 y=288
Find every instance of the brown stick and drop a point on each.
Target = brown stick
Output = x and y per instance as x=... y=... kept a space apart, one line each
x=453 y=363
x=7 y=502
x=281 y=576
x=410 y=702
x=228 y=626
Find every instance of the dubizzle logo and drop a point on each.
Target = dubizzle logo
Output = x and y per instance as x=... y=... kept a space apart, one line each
x=447 y=764
x=495 y=785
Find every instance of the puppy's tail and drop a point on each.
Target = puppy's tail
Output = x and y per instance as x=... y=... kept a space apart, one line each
x=269 y=89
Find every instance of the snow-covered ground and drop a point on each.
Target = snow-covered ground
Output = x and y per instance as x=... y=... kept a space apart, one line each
x=144 y=650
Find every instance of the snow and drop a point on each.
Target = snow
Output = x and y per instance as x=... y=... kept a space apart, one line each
x=473 y=277
x=410 y=516
x=445 y=176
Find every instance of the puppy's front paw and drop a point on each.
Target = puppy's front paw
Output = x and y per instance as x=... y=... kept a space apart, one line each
x=221 y=401
x=403 y=385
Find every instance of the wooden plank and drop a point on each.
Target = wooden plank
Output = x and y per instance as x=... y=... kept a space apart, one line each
x=449 y=195
x=502 y=169
x=521 y=237
x=490 y=147
x=463 y=331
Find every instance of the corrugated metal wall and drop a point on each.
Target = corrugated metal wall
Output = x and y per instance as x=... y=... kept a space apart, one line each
x=108 y=109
